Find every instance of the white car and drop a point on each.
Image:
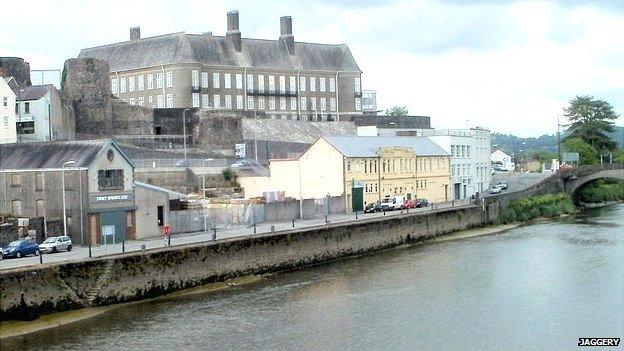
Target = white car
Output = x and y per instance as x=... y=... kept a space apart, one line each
x=55 y=244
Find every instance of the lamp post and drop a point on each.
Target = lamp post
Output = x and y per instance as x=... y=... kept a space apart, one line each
x=184 y=129
x=68 y=163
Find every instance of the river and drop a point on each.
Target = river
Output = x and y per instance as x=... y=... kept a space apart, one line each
x=540 y=286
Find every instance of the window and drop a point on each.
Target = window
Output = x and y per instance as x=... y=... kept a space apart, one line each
x=122 y=85
x=195 y=100
x=322 y=84
x=250 y=83
x=16 y=206
x=16 y=180
x=205 y=100
x=312 y=83
x=282 y=103
x=159 y=80
x=357 y=87
x=467 y=151
x=332 y=85
x=250 y=103
x=40 y=211
x=261 y=102
x=169 y=100
x=304 y=105
x=141 y=101
x=239 y=102
x=239 y=81
x=227 y=81
x=215 y=81
x=111 y=179
x=132 y=101
x=150 y=81
x=332 y=104
x=358 y=104
x=39 y=181
x=271 y=103
x=216 y=101
x=302 y=84
x=161 y=101
x=114 y=88
x=348 y=166
x=313 y=103
x=323 y=104
x=293 y=103
x=149 y=98
x=271 y=84
x=141 y=82
x=204 y=79
x=131 y=84
x=293 y=84
x=282 y=82
x=169 y=79
x=228 y=102
x=27 y=107
x=195 y=78
x=260 y=83
x=6 y=121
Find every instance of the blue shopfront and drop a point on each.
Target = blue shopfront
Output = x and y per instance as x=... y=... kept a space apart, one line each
x=112 y=218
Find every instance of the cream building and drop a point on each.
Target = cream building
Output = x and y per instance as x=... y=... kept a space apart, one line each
x=362 y=169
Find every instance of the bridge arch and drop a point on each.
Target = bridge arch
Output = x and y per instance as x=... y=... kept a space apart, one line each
x=573 y=184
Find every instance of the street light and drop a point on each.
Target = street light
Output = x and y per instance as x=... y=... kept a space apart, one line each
x=68 y=163
x=184 y=129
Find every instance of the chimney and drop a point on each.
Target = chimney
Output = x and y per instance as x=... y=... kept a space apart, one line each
x=286 y=35
x=232 y=30
x=135 y=33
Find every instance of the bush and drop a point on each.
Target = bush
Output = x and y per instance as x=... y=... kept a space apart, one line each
x=601 y=191
x=523 y=210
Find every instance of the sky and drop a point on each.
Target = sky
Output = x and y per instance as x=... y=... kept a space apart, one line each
x=509 y=66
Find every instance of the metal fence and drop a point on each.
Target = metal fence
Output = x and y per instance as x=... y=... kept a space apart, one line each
x=189 y=162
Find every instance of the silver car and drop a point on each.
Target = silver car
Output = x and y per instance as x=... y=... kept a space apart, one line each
x=55 y=244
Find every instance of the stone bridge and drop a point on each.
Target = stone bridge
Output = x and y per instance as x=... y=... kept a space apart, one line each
x=577 y=177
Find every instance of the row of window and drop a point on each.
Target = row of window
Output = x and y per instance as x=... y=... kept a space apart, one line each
x=305 y=83
x=461 y=170
x=138 y=83
x=260 y=101
x=397 y=165
x=165 y=101
x=460 y=150
x=372 y=188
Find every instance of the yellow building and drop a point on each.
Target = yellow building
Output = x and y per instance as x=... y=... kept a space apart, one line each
x=362 y=169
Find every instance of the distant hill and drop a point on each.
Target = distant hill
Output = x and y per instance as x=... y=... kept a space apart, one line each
x=618 y=136
x=512 y=144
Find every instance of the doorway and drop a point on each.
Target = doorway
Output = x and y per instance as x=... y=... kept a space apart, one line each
x=161 y=215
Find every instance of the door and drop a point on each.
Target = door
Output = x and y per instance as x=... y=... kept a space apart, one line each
x=465 y=191
x=161 y=215
x=357 y=202
x=457 y=191
x=113 y=226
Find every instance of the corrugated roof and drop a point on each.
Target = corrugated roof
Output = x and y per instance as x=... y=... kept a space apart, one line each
x=294 y=131
x=369 y=146
x=160 y=189
x=217 y=50
x=52 y=154
x=34 y=92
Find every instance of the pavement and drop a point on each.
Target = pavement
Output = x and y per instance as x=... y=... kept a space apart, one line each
x=518 y=181
x=82 y=252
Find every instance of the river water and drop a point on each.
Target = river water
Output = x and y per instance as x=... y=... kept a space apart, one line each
x=537 y=287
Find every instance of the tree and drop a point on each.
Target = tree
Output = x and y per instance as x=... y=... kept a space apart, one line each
x=397 y=111
x=542 y=156
x=588 y=155
x=591 y=120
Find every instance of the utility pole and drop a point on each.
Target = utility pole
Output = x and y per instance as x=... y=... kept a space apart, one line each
x=558 y=141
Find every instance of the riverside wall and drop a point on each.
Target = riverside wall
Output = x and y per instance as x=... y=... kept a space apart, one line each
x=29 y=292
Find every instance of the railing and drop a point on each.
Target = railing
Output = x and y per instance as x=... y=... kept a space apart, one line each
x=189 y=162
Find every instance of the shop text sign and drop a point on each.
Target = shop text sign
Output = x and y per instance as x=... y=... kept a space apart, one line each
x=98 y=199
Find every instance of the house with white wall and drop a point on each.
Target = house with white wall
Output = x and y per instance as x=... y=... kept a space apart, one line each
x=40 y=115
x=503 y=159
x=7 y=111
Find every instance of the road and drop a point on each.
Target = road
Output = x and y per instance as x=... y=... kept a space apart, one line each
x=518 y=181
x=82 y=252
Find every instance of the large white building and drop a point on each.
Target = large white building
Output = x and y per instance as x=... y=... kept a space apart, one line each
x=504 y=160
x=470 y=158
x=7 y=111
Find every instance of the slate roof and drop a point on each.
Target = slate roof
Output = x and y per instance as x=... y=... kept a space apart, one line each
x=368 y=146
x=294 y=131
x=34 y=92
x=52 y=154
x=177 y=48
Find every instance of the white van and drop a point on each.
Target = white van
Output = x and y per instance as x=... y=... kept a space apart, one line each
x=391 y=203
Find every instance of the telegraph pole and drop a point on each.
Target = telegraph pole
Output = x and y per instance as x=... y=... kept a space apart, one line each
x=558 y=140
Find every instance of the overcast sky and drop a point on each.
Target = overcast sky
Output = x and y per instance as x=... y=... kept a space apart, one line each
x=510 y=66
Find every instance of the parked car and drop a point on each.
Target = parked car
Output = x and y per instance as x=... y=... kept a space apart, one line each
x=502 y=185
x=55 y=244
x=411 y=203
x=372 y=207
x=20 y=248
x=392 y=203
x=495 y=190
x=422 y=202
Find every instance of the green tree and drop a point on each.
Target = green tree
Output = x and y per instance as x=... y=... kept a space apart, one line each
x=591 y=119
x=542 y=156
x=588 y=155
x=397 y=111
